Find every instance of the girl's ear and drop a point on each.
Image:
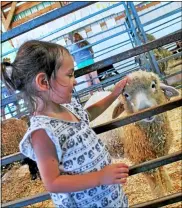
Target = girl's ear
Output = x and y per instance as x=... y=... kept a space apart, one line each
x=117 y=110
x=42 y=82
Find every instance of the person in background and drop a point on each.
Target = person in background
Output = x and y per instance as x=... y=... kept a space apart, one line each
x=75 y=165
x=84 y=58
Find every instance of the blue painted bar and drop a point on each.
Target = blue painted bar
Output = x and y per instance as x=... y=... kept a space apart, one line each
x=45 y=19
x=71 y=24
x=27 y=201
x=130 y=53
x=130 y=37
x=137 y=40
x=140 y=27
x=100 y=41
x=162 y=17
x=80 y=20
x=59 y=29
x=16 y=49
x=166 y=27
x=163 y=24
x=155 y=9
x=12 y=158
x=114 y=48
x=9 y=100
x=100 y=33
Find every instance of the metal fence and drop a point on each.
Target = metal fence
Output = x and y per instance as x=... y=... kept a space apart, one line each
x=137 y=50
x=133 y=170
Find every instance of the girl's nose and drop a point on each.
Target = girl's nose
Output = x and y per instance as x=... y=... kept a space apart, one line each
x=74 y=82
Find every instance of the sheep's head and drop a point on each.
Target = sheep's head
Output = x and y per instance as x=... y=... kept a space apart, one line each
x=143 y=90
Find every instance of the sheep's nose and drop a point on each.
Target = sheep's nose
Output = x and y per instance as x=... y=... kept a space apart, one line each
x=143 y=106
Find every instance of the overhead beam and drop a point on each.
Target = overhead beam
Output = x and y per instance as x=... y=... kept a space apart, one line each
x=7 y=21
x=45 y=19
x=24 y=7
x=5 y=3
x=34 y=15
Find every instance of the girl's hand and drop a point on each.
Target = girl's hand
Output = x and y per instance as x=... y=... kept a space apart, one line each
x=114 y=174
x=118 y=89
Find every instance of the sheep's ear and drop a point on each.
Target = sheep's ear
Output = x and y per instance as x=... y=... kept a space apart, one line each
x=118 y=110
x=168 y=90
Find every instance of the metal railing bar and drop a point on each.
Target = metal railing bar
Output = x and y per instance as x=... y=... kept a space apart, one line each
x=27 y=200
x=137 y=116
x=155 y=163
x=171 y=75
x=111 y=70
x=83 y=19
x=166 y=27
x=67 y=26
x=102 y=40
x=41 y=20
x=155 y=9
x=113 y=47
x=170 y=199
x=162 y=17
x=133 y=170
x=100 y=33
x=162 y=24
x=130 y=53
x=12 y=158
x=101 y=84
x=170 y=57
x=115 y=124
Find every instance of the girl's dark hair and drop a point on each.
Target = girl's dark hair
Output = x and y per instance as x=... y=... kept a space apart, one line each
x=32 y=58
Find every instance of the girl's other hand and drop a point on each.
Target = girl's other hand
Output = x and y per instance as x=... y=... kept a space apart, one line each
x=118 y=89
x=114 y=174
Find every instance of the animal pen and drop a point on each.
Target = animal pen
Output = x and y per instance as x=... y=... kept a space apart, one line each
x=122 y=29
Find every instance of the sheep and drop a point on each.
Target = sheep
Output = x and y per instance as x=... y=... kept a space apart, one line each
x=13 y=130
x=148 y=138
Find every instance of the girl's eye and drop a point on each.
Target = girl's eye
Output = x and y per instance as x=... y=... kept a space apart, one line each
x=71 y=75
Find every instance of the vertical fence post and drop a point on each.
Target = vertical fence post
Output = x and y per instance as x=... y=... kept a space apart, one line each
x=137 y=41
x=144 y=37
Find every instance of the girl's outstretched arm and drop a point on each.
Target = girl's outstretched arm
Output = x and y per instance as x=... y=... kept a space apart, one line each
x=98 y=108
x=48 y=165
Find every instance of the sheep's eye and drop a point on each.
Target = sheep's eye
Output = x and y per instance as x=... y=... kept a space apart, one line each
x=126 y=95
x=153 y=85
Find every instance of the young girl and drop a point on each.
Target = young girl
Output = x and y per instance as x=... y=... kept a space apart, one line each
x=74 y=164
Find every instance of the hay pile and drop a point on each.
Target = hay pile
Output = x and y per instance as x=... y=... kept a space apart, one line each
x=13 y=131
x=17 y=183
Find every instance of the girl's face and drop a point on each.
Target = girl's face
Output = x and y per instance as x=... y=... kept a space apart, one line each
x=62 y=86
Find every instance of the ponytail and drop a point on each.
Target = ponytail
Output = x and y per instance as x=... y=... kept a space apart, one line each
x=7 y=71
x=11 y=82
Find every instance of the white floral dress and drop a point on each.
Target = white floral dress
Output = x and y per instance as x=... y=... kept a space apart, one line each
x=79 y=151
